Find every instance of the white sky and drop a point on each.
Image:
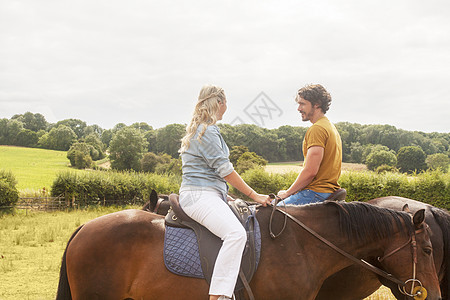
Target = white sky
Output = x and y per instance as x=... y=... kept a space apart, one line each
x=105 y=62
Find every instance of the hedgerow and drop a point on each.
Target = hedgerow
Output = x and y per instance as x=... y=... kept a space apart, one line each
x=94 y=187
x=432 y=187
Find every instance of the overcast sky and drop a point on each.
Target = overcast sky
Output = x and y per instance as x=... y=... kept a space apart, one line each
x=105 y=62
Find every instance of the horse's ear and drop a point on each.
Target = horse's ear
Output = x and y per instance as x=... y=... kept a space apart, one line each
x=406 y=208
x=419 y=217
x=153 y=198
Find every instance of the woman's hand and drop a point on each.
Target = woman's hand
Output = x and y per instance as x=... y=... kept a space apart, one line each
x=263 y=199
x=283 y=194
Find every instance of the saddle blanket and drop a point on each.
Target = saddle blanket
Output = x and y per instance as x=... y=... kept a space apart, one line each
x=181 y=252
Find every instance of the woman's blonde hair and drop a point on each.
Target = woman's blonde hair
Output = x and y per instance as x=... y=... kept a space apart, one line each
x=205 y=113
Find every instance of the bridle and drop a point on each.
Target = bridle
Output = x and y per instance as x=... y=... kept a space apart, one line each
x=158 y=204
x=415 y=292
x=412 y=240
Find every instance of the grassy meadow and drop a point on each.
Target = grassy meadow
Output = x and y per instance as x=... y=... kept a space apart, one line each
x=296 y=166
x=31 y=248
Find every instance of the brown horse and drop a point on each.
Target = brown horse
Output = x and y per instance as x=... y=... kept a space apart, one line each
x=119 y=256
x=355 y=282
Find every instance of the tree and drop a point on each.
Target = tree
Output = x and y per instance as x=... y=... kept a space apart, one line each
x=410 y=159
x=59 y=138
x=237 y=152
x=127 y=148
x=356 y=153
x=168 y=139
x=379 y=158
x=150 y=136
x=93 y=140
x=33 y=122
x=149 y=162
x=438 y=161
x=106 y=137
x=249 y=160
x=369 y=148
x=93 y=129
x=142 y=126
x=9 y=131
x=27 y=138
x=76 y=125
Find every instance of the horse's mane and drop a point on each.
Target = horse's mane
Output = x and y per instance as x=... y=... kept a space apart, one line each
x=442 y=217
x=362 y=221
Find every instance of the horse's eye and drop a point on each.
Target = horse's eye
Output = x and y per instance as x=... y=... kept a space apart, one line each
x=428 y=251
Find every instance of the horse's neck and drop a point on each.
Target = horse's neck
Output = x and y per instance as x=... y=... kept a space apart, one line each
x=324 y=220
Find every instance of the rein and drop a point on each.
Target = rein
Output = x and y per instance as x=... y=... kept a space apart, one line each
x=361 y=262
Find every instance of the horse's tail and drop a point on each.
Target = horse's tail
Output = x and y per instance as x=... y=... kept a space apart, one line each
x=63 y=292
x=443 y=219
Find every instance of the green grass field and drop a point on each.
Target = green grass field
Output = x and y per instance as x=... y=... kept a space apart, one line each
x=31 y=249
x=33 y=168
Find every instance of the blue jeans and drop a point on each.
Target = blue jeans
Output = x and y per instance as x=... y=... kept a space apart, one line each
x=305 y=197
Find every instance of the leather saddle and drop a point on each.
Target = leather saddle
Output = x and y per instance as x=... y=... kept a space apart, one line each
x=209 y=244
x=338 y=195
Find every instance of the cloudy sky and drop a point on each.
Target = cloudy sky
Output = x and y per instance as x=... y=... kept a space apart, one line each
x=111 y=61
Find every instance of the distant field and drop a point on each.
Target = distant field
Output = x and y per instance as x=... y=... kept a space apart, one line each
x=33 y=168
x=295 y=166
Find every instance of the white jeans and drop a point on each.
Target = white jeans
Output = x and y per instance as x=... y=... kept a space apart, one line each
x=207 y=208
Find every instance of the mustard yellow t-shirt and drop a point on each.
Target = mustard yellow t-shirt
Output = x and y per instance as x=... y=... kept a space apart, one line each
x=324 y=134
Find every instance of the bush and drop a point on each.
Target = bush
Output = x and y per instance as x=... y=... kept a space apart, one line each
x=381 y=157
x=82 y=161
x=149 y=162
x=9 y=195
x=385 y=168
x=265 y=183
x=438 y=161
x=80 y=155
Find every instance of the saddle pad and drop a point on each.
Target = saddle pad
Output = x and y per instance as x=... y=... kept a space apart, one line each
x=181 y=254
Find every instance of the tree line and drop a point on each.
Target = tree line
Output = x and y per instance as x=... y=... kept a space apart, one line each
x=373 y=145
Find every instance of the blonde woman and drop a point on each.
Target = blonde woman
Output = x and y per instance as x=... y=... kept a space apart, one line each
x=206 y=171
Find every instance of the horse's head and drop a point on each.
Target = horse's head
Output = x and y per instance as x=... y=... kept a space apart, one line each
x=157 y=204
x=410 y=259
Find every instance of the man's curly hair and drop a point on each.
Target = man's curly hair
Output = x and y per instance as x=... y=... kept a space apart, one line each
x=316 y=94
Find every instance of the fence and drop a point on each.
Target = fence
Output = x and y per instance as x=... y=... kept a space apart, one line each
x=60 y=203
x=41 y=203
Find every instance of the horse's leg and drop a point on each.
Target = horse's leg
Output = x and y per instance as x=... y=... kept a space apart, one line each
x=116 y=258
